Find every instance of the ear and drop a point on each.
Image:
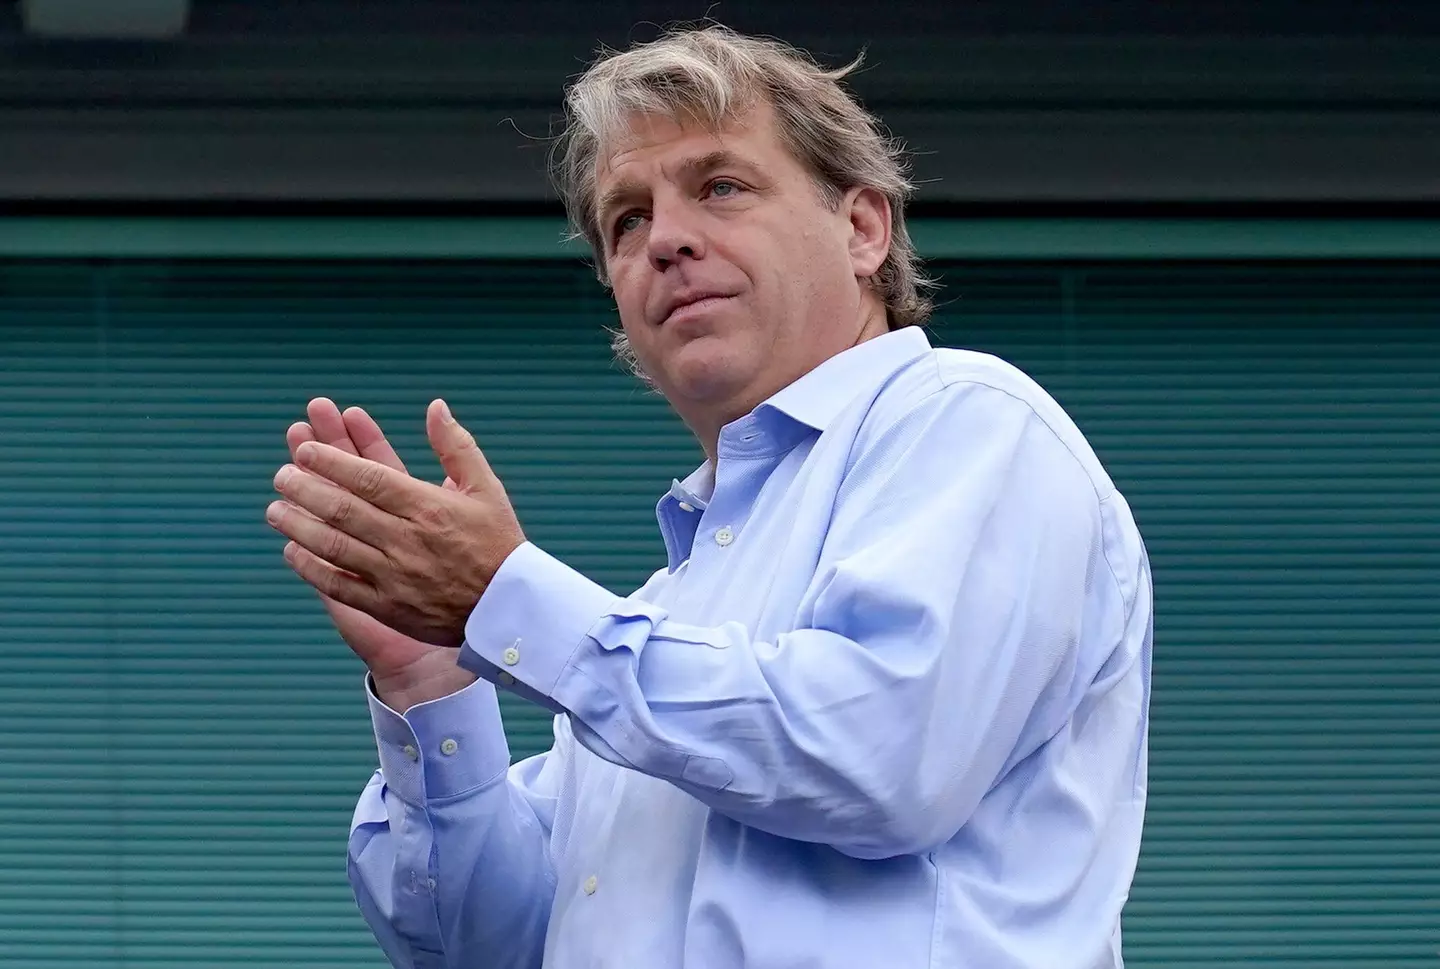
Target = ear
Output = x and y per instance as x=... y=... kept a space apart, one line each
x=869 y=212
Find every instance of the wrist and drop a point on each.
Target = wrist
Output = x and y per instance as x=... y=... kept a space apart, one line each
x=403 y=690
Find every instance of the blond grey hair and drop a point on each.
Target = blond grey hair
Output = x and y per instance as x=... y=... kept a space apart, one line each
x=710 y=75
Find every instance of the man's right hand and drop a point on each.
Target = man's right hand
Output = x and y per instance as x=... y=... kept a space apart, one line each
x=406 y=671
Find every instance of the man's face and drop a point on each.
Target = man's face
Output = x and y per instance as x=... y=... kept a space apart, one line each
x=731 y=275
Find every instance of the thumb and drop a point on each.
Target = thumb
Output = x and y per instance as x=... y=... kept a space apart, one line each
x=456 y=449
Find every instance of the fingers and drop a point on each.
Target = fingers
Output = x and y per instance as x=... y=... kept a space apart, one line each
x=385 y=488
x=354 y=431
x=330 y=582
x=329 y=425
x=325 y=424
x=316 y=537
x=297 y=434
x=324 y=540
x=329 y=521
x=456 y=448
x=369 y=440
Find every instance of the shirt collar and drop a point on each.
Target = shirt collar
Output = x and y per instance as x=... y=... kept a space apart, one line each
x=812 y=402
x=696 y=489
x=817 y=397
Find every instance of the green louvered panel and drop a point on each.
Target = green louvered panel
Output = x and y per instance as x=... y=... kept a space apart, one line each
x=184 y=735
x=186 y=738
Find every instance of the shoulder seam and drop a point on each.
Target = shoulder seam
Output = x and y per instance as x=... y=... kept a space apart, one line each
x=1100 y=500
x=948 y=382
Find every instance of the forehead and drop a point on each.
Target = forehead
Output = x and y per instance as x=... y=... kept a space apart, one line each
x=646 y=141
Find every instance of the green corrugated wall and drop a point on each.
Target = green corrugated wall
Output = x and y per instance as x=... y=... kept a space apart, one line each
x=184 y=737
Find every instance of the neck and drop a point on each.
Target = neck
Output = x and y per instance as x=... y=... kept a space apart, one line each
x=707 y=424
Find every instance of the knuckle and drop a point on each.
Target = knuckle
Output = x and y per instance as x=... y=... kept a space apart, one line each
x=334 y=546
x=433 y=515
x=368 y=480
x=462 y=441
x=310 y=570
x=334 y=587
x=344 y=509
x=408 y=561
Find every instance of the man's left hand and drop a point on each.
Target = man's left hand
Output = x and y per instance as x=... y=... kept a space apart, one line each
x=414 y=555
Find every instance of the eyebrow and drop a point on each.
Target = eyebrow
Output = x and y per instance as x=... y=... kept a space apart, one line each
x=689 y=169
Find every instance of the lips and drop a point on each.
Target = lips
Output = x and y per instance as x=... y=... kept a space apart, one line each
x=683 y=301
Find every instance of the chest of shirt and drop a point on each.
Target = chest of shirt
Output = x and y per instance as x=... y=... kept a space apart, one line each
x=635 y=842
x=757 y=546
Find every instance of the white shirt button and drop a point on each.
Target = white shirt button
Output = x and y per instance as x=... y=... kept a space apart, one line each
x=430 y=883
x=591 y=884
x=686 y=506
x=724 y=536
x=511 y=656
x=448 y=746
x=506 y=679
x=411 y=752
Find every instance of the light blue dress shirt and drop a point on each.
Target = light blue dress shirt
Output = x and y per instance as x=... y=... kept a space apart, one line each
x=885 y=708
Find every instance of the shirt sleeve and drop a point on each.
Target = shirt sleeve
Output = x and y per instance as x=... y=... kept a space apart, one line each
x=449 y=844
x=937 y=645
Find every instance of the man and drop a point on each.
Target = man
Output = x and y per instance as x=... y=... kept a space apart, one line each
x=884 y=707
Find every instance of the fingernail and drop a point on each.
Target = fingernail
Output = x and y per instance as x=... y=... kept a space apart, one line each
x=305 y=452
x=272 y=513
x=445 y=414
x=283 y=475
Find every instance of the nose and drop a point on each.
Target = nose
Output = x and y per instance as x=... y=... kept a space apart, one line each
x=674 y=234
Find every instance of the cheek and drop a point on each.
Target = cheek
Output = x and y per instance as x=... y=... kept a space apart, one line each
x=629 y=298
x=809 y=254
x=798 y=281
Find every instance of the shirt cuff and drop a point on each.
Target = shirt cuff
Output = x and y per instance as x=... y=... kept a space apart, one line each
x=530 y=623
x=440 y=748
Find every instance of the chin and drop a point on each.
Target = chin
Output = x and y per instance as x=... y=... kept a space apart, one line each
x=706 y=370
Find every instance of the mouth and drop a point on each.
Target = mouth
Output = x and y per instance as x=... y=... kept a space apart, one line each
x=693 y=308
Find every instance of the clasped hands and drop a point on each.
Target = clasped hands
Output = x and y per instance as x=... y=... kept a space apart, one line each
x=414 y=555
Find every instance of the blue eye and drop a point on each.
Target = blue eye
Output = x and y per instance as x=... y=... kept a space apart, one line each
x=717 y=186
x=628 y=223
